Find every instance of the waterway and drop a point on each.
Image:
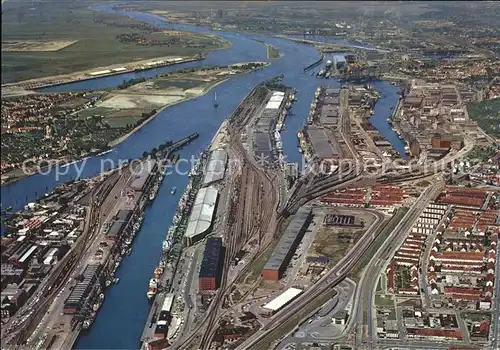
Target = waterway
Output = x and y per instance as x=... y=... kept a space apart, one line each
x=124 y=312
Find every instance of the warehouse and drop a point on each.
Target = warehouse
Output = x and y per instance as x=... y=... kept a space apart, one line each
x=281 y=301
x=324 y=148
x=275 y=100
x=263 y=148
x=339 y=220
x=82 y=288
x=282 y=254
x=216 y=167
x=121 y=220
x=200 y=220
x=143 y=173
x=165 y=316
x=211 y=265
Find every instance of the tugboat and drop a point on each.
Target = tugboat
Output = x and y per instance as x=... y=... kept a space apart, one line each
x=216 y=103
x=173 y=190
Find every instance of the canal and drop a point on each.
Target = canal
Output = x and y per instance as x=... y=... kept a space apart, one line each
x=123 y=314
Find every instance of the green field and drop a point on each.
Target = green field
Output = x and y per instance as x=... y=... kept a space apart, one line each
x=272 y=52
x=487 y=115
x=96 y=46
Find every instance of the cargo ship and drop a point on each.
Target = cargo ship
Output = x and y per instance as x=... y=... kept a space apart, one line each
x=165 y=270
x=153 y=288
x=154 y=191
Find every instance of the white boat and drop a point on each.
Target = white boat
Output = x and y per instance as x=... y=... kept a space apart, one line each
x=173 y=190
x=153 y=288
x=165 y=246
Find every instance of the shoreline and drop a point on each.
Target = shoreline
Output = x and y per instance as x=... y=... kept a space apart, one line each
x=38 y=83
x=122 y=138
x=119 y=140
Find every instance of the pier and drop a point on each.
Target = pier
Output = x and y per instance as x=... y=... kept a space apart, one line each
x=314 y=64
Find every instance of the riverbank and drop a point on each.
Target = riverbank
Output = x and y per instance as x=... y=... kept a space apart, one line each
x=145 y=122
x=99 y=72
x=333 y=46
x=138 y=99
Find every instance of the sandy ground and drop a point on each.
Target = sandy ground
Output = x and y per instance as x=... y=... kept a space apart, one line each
x=130 y=101
x=180 y=99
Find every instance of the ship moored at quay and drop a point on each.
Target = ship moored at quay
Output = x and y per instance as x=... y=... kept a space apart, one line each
x=122 y=230
x=161 y=281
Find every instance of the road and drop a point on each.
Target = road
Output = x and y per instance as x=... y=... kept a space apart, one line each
x=423 y=275
x=378 y=263
x=325 y=284
x=320 y=328
x=253 y=216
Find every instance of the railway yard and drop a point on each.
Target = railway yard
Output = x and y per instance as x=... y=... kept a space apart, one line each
x=60 y=253
x=252 y=260
x=242 y=293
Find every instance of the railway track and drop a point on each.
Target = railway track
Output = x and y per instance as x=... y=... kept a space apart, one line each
x=254 y=216
x=56 y=283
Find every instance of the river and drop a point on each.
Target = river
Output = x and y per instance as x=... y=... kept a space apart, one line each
x=121 y=318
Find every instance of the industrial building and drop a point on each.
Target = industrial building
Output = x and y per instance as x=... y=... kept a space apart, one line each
x=200 y=220
x=164 y=318
x=276 y=100
x=216 y=167
x=82 y=289
x=143 y=173
x=339 y=61
x=116 y=228
x=339 y=220
x=324 y=147
x=281 y=301
x=264 y=143
x=211 y=265
x=283 y=252
x=329 y=115
x=263 y=140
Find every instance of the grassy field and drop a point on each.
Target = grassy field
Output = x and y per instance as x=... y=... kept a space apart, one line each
x=335 y=242
x=384 y=301
x=96 y=43
x=487 y=115
x=272 y=52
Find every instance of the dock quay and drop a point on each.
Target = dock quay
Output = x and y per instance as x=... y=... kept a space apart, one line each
x=81 y=232
x=83 y=76
x=315 y=64
x=160 y=286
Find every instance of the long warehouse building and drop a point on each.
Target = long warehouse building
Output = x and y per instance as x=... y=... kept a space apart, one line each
x=211 y=265
x=282 y=254
x=281 y=300
x=216 y=167
x=200 y=220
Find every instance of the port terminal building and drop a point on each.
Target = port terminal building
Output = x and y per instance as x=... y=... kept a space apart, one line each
x=143 y=174
x=211 y=265
x=283 y=252
x=201 y=218
x=281 y=301
x=264 y=143
x=164 y=318
x=81 y=291
x=216 y=167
